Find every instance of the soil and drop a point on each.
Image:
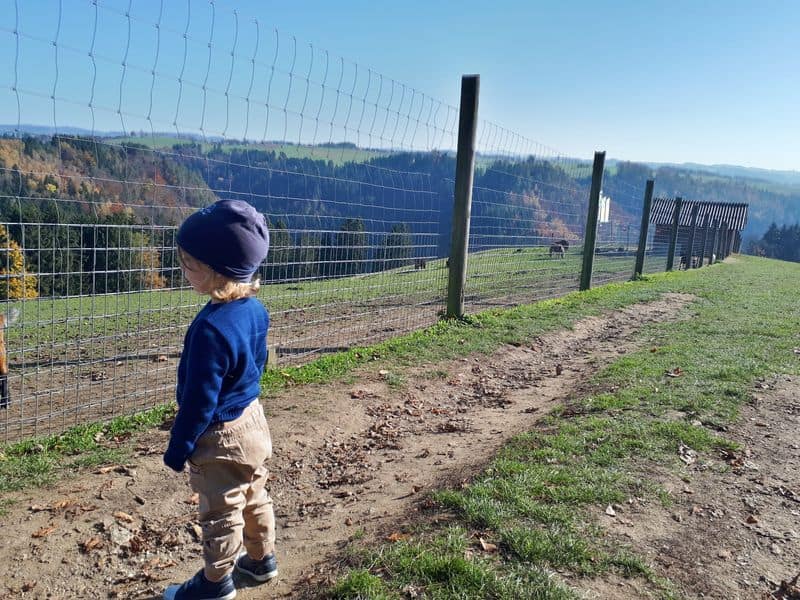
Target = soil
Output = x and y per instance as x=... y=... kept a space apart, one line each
x=357 y=460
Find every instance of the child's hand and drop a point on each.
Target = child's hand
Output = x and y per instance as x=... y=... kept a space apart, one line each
x=175 y=463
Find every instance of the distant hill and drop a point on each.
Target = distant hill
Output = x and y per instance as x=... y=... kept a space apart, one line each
x=791 y=178
x=189 y=171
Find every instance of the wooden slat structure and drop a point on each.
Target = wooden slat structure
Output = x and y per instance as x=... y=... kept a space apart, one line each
x=725 y=221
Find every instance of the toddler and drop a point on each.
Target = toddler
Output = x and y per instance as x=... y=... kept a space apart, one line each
x=220 y=429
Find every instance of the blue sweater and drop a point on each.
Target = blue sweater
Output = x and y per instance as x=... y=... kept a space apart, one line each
x=219 y=372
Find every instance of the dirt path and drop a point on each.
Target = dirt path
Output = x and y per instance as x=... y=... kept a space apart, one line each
x=350 y=460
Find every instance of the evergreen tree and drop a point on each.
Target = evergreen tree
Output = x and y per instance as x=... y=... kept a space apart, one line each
x=397 y=249
x=351 y=248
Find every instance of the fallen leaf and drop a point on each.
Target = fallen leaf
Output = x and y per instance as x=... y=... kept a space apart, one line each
x=123 y=516
x=104 y=470
x=91 y=544
x=348 y=521
x=676 y=372
x=752 y=519
x=610 y=511
x=397 y=536
x=43 y=532
x=487 y=546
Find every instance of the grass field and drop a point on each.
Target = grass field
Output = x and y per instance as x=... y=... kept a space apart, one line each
x=337 y=154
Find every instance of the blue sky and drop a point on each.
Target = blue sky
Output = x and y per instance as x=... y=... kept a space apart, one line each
x=680 y=81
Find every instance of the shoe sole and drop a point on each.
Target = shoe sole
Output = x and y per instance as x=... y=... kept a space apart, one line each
x=260 y=578
x=169 y=594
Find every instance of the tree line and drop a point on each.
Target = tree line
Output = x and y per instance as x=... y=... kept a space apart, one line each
x=779 y=242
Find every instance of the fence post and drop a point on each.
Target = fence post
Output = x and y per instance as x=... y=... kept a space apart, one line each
x=673 y=237
x=591 y=221
x=706 y=225
x=690 y=255
x=465 y=170
x=640 y=251
x=737 y=242
x=723 y=241
x=715 y=228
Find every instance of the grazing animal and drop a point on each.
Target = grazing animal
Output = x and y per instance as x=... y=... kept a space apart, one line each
x=557 y=250
x=420 y=263
x=564 y=244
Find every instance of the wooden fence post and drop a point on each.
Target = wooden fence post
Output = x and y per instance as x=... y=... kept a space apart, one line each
x=723 y=241
x=590 y=236
x=714 y=238
x=462 y=206
x=673 y=237
x=692 y=232
x=706 y=225
x=640 y=251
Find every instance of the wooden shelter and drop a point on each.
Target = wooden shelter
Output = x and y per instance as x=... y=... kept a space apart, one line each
x=709 y=227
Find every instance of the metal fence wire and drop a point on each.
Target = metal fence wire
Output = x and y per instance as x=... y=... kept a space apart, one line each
x=119 y=137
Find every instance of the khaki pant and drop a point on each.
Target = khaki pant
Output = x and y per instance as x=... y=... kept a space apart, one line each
x=228 y=473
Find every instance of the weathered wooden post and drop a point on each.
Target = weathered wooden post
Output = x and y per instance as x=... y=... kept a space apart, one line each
x=692 y=233
x=703 y=244
x=465 y=171
x=737 y=242
x=714 y=242
x=590 y=237
x=640 y=251
x=4 y=396
x=673 y=236
x=723 y=243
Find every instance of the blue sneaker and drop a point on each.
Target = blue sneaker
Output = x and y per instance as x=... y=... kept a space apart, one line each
x=200 y=588
x=260 y=570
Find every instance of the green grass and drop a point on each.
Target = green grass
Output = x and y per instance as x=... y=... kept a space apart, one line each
x=41 y=461
x=59 y=323
x=537 y=498
x=336 y=154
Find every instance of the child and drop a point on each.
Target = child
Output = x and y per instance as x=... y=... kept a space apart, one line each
x=220 y=429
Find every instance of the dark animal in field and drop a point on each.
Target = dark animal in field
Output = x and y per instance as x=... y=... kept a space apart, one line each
x=420 y=263
x=564 y=244
x=557 y=250
x=447 y=263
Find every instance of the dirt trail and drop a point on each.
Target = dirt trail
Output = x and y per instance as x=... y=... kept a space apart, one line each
x=350 y=459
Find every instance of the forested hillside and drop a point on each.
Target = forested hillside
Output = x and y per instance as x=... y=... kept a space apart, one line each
x=377 y=213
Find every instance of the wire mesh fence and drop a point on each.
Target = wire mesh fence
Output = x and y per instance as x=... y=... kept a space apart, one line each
x=127 y=118
x=618 y=232
x=528 y=209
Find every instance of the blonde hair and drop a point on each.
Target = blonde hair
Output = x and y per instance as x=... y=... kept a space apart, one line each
x=219 y=287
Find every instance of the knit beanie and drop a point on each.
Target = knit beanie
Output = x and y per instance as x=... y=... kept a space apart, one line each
x=230 y=236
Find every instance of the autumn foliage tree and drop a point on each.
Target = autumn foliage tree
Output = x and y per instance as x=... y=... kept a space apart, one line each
x=15 y=283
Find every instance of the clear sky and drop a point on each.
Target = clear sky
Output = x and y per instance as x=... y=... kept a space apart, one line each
x=711 y=82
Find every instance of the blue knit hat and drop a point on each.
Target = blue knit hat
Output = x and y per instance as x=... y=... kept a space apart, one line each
x=230 y=236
